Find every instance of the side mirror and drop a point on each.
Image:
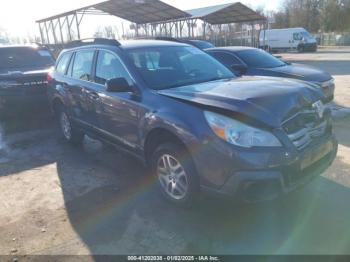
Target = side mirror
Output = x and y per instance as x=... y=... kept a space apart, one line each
x=241 y=69
x=118 y=85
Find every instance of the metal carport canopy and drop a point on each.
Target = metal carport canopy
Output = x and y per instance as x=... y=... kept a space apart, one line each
x=136 y=11
x=226 y=14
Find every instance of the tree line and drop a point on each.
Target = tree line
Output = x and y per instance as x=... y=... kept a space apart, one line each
x=314 y=15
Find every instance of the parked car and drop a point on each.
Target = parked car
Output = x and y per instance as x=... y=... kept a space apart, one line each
x=253 y=61
x=201 y=44
x=23 y=79
x=287 y=39
x=197 y=127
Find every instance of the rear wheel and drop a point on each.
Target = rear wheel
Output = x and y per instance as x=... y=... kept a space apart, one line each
x=175 y=172
x=69 y=132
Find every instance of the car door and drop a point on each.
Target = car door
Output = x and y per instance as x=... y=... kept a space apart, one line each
x=80 y=88
x=118 y=112
x=297 y=37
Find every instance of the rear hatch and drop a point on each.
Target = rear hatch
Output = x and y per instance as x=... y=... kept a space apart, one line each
x=23 y=83
x=23 y=70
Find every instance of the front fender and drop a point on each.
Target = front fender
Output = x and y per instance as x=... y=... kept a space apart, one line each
x=169 y=122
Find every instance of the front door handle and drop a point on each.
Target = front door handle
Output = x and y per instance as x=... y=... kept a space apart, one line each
x=93 y=95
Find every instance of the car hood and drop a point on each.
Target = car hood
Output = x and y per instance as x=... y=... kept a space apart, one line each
x=298 y=71
x=266 y=100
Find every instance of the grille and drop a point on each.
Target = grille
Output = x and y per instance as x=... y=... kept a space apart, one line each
x=306 y=127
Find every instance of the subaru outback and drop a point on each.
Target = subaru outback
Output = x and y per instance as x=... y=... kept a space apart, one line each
x=198 y=126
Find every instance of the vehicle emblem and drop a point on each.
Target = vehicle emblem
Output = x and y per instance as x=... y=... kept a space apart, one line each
x=319 y=107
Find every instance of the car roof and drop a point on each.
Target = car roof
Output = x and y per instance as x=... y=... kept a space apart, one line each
x=131 y=44
x=198 y=41
x=231 y=48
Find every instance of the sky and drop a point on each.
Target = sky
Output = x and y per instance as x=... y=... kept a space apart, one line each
x=18 y=17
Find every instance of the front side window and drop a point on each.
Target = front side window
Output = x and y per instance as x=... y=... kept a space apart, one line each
x=173 y=66
x=108 y=67
x=83 y=65
x=297 y=36
x=257 y=58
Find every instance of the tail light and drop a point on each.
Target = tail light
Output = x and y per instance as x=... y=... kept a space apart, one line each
x=49 y=77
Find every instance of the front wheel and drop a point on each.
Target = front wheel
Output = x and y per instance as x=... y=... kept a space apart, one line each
x=301 y=48
x=69 y=132
x=175 y=172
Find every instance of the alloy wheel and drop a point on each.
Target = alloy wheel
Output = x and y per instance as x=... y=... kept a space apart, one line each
x=172 y=177
x=66 y=126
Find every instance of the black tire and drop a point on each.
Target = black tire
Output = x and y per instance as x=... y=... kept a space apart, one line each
x=73 y=136
x=301 y=48
x=180 y=154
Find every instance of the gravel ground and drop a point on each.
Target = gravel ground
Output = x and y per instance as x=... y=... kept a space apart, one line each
x=60 y=200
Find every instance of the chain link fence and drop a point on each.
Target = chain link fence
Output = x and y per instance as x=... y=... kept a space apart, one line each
x=333 y=39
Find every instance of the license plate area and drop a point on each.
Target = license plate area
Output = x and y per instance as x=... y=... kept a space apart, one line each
x=315 y=155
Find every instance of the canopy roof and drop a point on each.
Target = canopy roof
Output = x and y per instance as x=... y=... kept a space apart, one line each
x=226 y=13
x=136 y=11
x=141 y=11
x=156 y=11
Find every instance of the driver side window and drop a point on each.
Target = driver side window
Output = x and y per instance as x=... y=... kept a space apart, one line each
x=109 y=67
x=297 y=36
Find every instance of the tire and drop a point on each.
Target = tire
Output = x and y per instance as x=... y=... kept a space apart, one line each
x=301 y=49
x=69 y=133
x=176 y=176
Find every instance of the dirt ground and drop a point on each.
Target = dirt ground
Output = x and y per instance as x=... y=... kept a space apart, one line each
x=60 y=200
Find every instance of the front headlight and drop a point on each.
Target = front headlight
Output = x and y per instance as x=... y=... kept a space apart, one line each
x=239 y=134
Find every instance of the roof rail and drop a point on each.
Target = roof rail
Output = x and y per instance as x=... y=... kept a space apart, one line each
x=93 y=41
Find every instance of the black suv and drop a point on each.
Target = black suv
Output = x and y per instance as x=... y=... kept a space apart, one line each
x=188 y=117
x=23 y=79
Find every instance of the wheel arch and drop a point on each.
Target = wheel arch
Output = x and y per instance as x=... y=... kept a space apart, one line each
x=56 y=104
x=158 y=136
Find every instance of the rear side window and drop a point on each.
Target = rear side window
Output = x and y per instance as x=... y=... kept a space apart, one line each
x=62 y=65
x=226 y=59
x=24 y=57
x=83 y=65
x=109 y=67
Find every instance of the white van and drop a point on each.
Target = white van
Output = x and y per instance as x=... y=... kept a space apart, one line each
x=287 y=39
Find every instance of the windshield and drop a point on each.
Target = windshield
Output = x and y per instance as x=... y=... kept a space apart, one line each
x=168 y=67
x=306 y=34
x=21 y=57
x=257 y=58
